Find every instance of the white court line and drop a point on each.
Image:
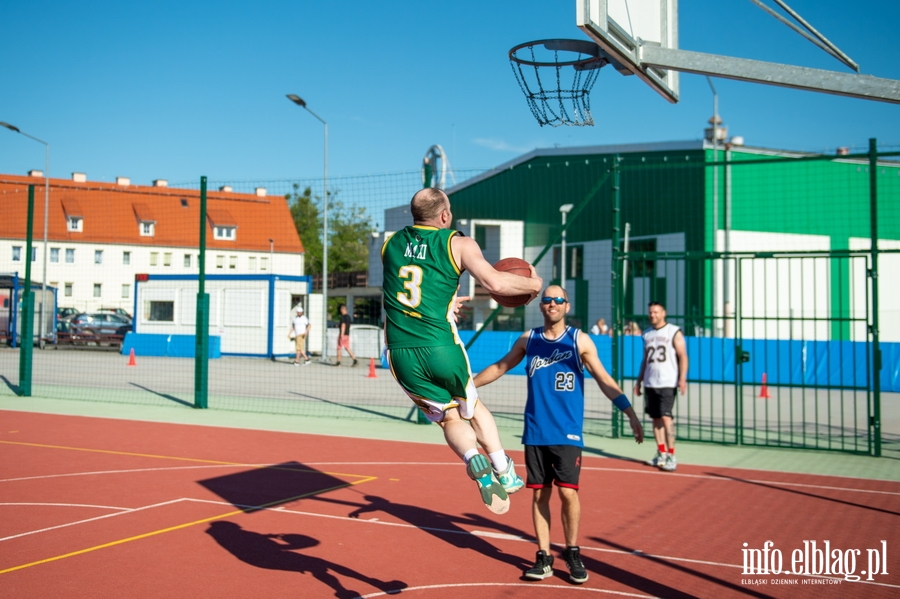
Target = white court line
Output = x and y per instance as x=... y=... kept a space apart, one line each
x=137 y=509
x=531 y=586
x=45 y=476
x=102 y=507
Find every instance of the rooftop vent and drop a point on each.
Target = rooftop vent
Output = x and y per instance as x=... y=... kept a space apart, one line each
x=261 y=192
x=125 y=181
x=843 y=151
x=225 y=188
x=35 y=173
x=79 y=177
x=160 y=183
x=737 y=140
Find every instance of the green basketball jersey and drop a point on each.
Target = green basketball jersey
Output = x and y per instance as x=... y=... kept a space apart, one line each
x=420 y=282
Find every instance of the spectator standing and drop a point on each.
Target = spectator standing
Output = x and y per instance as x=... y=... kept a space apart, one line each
x=298 y=332
x=344 y=336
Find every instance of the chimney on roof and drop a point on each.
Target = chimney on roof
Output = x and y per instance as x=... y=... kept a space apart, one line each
x=160 y=183
x=737 y=140
x=261 y=192
x=843 y=151
x=225 y=188
x=124 y=181
x=79 y=177
x=34 y=173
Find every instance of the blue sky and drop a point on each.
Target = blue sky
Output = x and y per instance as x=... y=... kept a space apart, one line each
x=176 y=90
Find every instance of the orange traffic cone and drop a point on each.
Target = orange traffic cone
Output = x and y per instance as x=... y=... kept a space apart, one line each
x=764 y=391
x=131 y=361
x=371 y=374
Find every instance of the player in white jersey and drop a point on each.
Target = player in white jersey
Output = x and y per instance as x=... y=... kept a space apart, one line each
x=663 y=369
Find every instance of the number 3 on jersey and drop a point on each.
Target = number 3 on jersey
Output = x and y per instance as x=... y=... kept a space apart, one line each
x=413 y=286
x=565 y=381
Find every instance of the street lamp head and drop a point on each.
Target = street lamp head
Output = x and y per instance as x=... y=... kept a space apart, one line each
x=10 y=127
x=565 y=208
x=296 y=100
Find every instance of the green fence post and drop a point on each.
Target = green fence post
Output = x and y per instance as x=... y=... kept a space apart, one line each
x=617 y=287
x=27 y=336
x=875 y=422
x=201 y=333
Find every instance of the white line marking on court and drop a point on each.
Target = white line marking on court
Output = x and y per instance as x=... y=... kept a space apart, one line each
x=532 y=586
x=129 y=471
x=132 y=510
x=101 y=507
x=497 y=535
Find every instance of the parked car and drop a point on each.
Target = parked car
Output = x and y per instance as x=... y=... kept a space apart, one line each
x=118 y=311
x=64 y=313
x=99 y=323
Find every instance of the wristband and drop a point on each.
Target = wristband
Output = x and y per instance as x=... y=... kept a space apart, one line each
x=621 y=402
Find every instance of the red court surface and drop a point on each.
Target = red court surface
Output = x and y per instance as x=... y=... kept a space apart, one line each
x=92 y=507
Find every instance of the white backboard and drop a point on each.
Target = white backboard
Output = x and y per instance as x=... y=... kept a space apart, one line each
x=620 y=27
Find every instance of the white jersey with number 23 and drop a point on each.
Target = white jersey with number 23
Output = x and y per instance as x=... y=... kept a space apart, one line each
x=661 y=369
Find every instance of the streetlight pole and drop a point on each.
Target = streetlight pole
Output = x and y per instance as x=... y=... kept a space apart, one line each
x=299 y=102
x=46 y=220
x=564 y=209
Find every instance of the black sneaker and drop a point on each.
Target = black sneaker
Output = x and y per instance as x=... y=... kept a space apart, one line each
x=577 y=573
x=542 y=568
x=355 y=361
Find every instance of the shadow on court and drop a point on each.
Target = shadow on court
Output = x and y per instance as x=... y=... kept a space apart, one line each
x=269 y=486
x=653 y=587
x=282 y=552
x=446 y=527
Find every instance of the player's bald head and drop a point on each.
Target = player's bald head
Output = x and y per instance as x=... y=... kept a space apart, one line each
x=427 y=204
x=555 y=291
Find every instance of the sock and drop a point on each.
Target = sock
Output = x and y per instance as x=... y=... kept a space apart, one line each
x=499 y=460
x=662 y=447
x=469 y=455
x=671 y=451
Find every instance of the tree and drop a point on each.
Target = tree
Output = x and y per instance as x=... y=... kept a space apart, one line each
x=348 y=232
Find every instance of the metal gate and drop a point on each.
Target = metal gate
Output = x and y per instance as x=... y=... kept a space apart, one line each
x=779 y=344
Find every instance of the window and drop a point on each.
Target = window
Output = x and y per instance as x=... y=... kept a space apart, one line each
x=154 y=258
x=75 y=223
x=17 y=253
x=126 y=257
x=70 y=255
x=263 y=263
x=187 y=260
x=148 y=229
x=126 y=291
x=574 y=262
x=184 y=203
x=167 y=259
x=159 y=311
x=232 y=263
x=98 y=256
x=34 y=254
x=54 y=254
x=97 y=289
x=68 y=290
x=220 y=261
x=251 y=263
x=226 y=233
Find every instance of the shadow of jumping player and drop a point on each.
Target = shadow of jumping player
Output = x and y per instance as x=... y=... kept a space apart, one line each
x=279 y=552
x=444 y=526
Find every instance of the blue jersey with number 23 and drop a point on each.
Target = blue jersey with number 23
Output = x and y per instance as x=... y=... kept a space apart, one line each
x=554 y=413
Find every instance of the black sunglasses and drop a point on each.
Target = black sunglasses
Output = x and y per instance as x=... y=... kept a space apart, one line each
x=559 y=300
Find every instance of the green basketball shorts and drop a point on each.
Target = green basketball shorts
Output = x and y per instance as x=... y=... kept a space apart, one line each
x=437 y=379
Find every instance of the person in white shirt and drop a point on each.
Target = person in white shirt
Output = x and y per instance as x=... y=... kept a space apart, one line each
x=663 y=370
x=600 y=328
x=299 y=330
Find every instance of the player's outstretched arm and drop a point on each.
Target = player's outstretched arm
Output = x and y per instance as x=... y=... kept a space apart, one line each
x=469 y=257
x=504 y=364
x=640 y=376
x=608 y=385
x=681 y=352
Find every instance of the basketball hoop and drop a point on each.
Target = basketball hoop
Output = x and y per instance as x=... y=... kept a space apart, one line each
x=559 y=105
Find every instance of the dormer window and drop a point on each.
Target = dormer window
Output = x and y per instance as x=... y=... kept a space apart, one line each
x=74 y=215
x=146 y=221
x=148 y=229
x=226 y=233
x=75 y=224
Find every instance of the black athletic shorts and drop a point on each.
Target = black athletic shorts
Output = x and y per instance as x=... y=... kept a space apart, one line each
x=548 y=464
x=659 y=402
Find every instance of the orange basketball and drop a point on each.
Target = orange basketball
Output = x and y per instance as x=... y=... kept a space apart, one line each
x=516 y=266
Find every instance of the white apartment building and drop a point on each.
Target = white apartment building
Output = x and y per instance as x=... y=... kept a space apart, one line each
x=100 y=235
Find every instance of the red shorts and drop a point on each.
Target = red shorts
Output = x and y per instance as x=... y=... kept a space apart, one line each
x=343 y=341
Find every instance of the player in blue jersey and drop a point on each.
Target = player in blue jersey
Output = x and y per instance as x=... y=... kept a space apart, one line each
x=554 y=420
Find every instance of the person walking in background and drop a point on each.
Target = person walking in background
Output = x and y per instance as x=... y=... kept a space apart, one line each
x=422 y=265
x=344 y=336
x=298 y=332
x=556 y=356
x=663 y=369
